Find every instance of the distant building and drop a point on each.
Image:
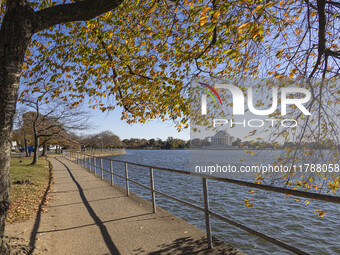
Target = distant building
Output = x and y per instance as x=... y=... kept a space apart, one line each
x=222 y=138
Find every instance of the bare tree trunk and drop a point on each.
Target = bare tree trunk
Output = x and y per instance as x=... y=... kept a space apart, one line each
x=44 y=150
x=36 y=150
x=26 y=147
x=15 y=34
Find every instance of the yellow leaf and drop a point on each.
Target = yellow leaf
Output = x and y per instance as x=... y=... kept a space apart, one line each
x=203 y=20
x=278 y=54
x=205 y=10
x=152 y=9
x=320 y=213
x=256 y=9
x=216 y=15
x=243 y=26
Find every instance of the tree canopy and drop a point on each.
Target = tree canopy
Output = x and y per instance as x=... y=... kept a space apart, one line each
x=143 y=55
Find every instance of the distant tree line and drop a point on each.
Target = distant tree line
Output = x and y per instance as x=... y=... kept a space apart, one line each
x=328 y=144
x=108 y=139
x=105 y=139
x=169 y=143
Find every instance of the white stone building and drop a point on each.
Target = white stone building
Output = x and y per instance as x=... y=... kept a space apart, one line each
x=222 y=138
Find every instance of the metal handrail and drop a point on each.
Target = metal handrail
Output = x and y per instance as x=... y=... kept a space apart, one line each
x=206 y=209
x=299 y=193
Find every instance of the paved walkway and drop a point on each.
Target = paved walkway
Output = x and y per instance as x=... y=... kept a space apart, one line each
x=88 y=216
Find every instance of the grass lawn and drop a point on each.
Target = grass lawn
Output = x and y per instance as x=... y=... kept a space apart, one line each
x=26 y=197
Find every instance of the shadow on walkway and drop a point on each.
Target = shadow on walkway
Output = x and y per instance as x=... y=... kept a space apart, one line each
x=90 y=201
x=106 y=236
x=107 y=221
x=38 y=217
x=187 y=245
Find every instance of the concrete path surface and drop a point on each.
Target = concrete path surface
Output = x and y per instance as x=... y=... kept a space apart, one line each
x=88 y=216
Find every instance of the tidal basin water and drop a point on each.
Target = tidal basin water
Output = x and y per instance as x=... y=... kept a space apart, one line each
x=285 y=219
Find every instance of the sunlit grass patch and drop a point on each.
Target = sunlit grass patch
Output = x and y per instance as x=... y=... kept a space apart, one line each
x=28 y=185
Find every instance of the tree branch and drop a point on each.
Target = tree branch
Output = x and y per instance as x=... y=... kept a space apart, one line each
x=79 y=11
x=333 y=3
x=321 y=35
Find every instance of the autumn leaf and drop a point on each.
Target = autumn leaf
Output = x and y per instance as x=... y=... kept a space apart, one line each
x=320 y=213
x=205 y=10
x=152 y=9
x=203 y=20
x=216 y=16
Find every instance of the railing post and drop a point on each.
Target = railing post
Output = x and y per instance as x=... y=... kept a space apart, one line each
x=111 y=170
x=95 y=165
x=101 y=168
x=152 y=187
x=126 y=180
x=206 y=212
x=89 y=160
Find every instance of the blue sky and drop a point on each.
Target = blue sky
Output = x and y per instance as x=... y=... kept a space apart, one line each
x=111 y=121
x=153 y=129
